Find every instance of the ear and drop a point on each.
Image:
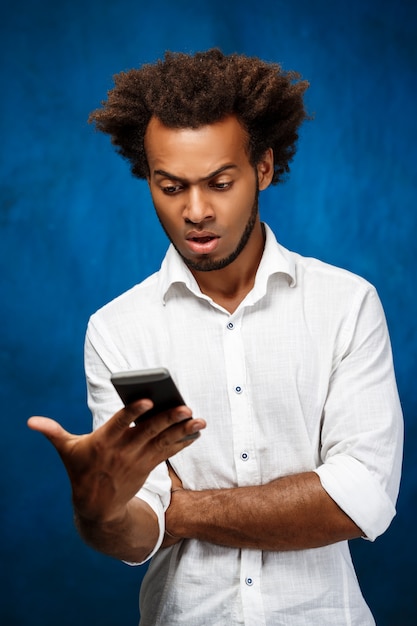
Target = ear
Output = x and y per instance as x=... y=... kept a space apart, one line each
x=265 y=169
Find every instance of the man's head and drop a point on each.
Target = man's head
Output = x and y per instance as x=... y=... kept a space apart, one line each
x=191 y=91
x=205 y=191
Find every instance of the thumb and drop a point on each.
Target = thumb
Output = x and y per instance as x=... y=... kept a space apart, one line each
x=50 y=428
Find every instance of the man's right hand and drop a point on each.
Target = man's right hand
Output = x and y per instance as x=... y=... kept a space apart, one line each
x=107 y=467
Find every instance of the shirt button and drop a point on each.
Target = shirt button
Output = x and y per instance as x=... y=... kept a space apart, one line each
x=230 y=326
x=238 y=389
x=249 y=581
x=244 y=456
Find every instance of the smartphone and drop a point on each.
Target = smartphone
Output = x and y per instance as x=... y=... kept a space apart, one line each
x=155 y=384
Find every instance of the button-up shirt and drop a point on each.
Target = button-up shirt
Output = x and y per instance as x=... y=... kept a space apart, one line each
x=298 y=378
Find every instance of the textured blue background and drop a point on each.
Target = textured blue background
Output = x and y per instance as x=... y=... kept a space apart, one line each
x=76 y=230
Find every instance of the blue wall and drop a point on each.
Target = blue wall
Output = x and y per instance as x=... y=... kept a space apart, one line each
x=76 y=230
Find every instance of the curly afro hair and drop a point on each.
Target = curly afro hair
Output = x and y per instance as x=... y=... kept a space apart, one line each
x=190 y=91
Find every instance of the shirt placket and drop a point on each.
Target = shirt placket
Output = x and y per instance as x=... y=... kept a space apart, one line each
x=245 y=460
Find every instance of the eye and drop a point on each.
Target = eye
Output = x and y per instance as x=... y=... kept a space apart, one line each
x=221 y=186
x=170 y=190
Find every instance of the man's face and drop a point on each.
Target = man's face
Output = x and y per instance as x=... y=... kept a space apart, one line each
x=205 y=190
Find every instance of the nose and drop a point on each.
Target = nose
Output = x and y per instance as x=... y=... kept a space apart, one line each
x=198 y=208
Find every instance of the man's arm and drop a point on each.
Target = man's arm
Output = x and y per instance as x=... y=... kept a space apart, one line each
x=107 y=468
x=289 y=513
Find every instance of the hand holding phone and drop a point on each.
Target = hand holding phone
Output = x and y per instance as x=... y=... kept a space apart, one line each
x=155 y=384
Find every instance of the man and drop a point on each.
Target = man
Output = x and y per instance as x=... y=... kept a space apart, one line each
x=284 y=361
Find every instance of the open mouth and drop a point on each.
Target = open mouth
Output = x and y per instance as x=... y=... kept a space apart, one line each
x=202 y=245
x=202 y=239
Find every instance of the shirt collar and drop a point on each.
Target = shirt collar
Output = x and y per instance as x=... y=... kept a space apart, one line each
x=275 y=260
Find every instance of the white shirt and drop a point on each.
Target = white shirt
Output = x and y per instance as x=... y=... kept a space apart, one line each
x=298 y=378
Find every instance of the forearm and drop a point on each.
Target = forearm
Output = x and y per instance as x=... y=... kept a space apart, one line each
x=290 y=513
x=131 y=537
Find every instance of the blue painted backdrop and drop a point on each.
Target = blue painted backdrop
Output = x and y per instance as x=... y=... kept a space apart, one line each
x=76 y=230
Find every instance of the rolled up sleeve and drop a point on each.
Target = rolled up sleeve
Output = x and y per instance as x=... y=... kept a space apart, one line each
x=157 y=494
x=357 y=492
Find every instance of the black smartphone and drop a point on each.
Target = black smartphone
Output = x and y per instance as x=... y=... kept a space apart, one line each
x=155 y=384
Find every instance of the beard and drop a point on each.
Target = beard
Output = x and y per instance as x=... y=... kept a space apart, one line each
x=205 y=263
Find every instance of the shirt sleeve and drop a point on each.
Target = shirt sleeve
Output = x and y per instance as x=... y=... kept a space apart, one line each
x=102 y=358
x=362 y=429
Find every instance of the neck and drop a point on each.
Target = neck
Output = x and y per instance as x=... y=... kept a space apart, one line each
x=230 y=285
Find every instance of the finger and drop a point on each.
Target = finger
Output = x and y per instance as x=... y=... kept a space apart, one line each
x=126 y=416
x=176 y=438
x=50 y=428
x=153 y=426
x=189 y=437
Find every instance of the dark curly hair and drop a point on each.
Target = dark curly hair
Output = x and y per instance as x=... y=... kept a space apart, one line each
x=185 y=91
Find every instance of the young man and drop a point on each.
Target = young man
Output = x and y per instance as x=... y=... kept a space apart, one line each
x=284 y=361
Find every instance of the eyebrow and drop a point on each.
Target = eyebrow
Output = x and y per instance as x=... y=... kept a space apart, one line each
x=204 y=178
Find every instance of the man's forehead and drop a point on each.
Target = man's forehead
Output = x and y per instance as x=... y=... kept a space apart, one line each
x=222 y=139
x=195 y=155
